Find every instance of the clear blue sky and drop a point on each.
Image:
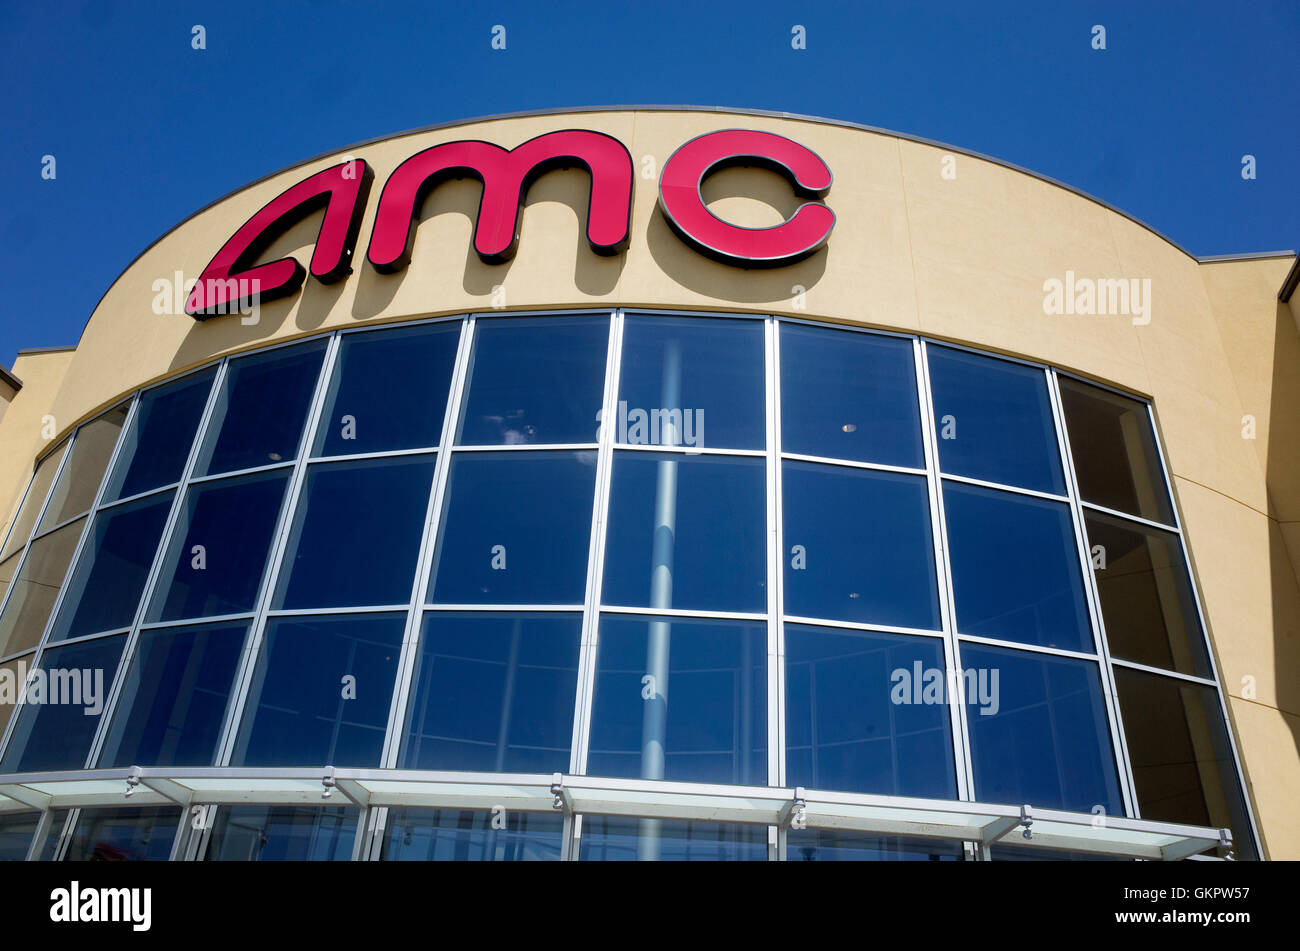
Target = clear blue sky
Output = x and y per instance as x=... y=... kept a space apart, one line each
x=145 y=130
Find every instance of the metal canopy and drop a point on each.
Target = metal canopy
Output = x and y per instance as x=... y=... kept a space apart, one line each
x=795 y=808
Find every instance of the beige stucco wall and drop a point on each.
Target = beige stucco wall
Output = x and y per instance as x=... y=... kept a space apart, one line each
x=961 y=258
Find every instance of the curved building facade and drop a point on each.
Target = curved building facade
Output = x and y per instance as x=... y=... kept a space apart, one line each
x=659 y=484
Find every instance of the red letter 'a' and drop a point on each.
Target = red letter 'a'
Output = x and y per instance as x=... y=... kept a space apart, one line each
x=505 y=175
x=230 y=283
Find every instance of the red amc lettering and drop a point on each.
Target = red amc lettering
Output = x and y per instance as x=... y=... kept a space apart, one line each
x=230 y=282
x=506 y=176
x=793 y=240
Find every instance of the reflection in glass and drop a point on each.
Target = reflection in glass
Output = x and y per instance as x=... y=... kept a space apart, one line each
x=493 y=692
x=535 y=381
x=1116 y=461
x=12 y=675
x=516 y=529
x=357 y=534
x=1180 y=753
x=105 y=589
x=78 y=483
x=680 y=699
x=32 y=599
x=62 y=707
x=321 y=691
x=866 y=713
x=156 y=446
x=618 y=839
x=282 y=834
x=389 y=390
x=462 y=835
x=174 y=699
x=1048 y=743
x=260 y=414
x=220 y=547
x=993 y=420
x=16 y=831
x=709 y=368
x=827 y=845
x=33 y=500
x=849 y=396
x=124 y=835
x=858 y=546
x=1015 y=568
x=686 y=532
x=1146 y=595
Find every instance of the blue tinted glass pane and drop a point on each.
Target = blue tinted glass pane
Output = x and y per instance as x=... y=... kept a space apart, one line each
x=259 y=417
x=1042 y=736
x=1015 y=568
x=156 y=446
x=447 y=835
x=105 y=590
x=494 y=693
x=79 y=481
x=694 y=523
x=63 y=705
x=611 y=839
x=224 y=539
x=1181 y=754
x=712 y=369
x=516 y=529
x=322 y=691
x=174 y=699
x=357 y=534
x=826 y=845
x=282 y=834
x=994 y=420
x=849 y=396
x=866 y=713
x=124 y=835
x=859 y=546
x=16 y=833
x=680 y=700
x=536 y=380
x=389 y=390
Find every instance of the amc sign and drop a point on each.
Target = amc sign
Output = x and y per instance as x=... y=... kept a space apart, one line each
x=343 y=190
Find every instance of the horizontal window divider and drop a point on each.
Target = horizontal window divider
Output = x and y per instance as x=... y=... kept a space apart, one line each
x=50 y=531
x=994 y=354
x=82 y=638
x=326 y=612
x=1002 y=487
x=397 y=325
x=118 y=503
x=726 y=315
x=861 y=626
x=828 y=324
x=1125 y=516
x=1163 y=672
x=683 y=613
x=569 y=795
x=504 y=608
x=694 y=450
x=384 y=454
x=236 y=473
x=1035 y=648
x=18 y=655
x=192 y=622
x=851 y=464
x=528 y=447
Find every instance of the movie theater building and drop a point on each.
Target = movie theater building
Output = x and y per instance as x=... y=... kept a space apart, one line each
x=657 y=483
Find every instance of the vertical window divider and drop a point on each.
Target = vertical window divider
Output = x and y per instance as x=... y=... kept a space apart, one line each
x=409 y=654
x=89 y=518
x=246 y=670
x=1211 y=650
x=776 y=685
x=954 y=681
x=584 y=695
x=1118 y=743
